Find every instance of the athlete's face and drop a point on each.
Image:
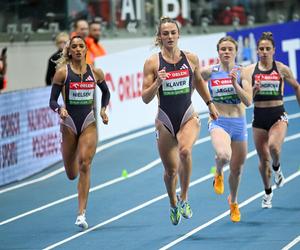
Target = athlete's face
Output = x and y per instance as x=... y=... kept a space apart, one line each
x=227 y=52
x=265 y=50
x=169 y=35
x=77 y=49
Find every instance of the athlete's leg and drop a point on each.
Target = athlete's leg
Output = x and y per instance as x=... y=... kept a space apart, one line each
x=86 y=150
x=221 y=143
x=261 y=137
x=69 y=148
x=239 y=153
x=276 y=137
x=168 y=151
x=186 y=138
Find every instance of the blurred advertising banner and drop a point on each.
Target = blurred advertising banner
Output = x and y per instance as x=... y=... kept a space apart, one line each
x=124 y=77
x=287 y=44
x=29 y=132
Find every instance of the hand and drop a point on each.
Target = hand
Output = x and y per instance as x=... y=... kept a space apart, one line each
x=161 y=76
x=63 y=113
x=234 y=76
x=213 y=112
x=104 y=116
x=256 y=86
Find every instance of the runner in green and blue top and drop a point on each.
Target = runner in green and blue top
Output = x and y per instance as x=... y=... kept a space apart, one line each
x=77 y=80
x=230 y=93
x=171 y=75
x=270 y=119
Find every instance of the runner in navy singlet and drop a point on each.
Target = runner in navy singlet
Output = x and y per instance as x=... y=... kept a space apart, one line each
x=77 y=81
x=171 y=75
x=270 y=119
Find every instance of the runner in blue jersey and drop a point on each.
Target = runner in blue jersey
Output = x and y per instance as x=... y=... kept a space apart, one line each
x=171 y=75
x=230 y=92
x=270 y=119
x=77 y=80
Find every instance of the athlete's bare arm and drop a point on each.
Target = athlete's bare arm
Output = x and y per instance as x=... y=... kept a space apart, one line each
x=152 y=79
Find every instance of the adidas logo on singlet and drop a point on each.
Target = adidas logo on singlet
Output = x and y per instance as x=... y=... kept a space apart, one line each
x=89 y=78
x=184 y=66
x=274 y=73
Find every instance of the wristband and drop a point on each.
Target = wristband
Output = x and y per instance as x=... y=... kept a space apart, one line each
x=209 y=102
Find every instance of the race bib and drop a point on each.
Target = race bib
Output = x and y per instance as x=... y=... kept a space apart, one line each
x=177 y=82
x=81 y=93
x=269 y=84
x=222 y=89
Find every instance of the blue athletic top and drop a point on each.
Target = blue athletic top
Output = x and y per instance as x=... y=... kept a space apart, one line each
x=220 y=85
x=271 y=84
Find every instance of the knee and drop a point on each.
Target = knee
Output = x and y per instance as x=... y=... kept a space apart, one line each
x=236 y=172
x=223 y=157
x=170 y=173
x=71 y=176
x=84 y=165
x=274 y=149
x=185 y=153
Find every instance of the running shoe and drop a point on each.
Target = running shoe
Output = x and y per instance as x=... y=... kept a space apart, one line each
x=81 y=221
x=218 y=183
x=267 y=201
x=235 y=214
x=186 y=210
x=175 y=215
x=278 y=178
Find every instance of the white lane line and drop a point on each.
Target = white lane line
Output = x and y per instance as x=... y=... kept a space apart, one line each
x=105 y=146
x=292 y=243
x=221 y=216
x=114 y=181
x=158 y=198
x=99 y=149
x=108 y=183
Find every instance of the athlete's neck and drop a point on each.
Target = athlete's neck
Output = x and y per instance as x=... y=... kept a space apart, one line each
x=265 y=64
x=172 y=55
x=227 y=66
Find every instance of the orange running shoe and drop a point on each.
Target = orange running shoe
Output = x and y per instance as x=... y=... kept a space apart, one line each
x=235 y=214
x=218 y=183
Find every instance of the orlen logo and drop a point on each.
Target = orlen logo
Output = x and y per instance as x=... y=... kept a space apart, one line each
x=74 y=85
x=224 y=81
x=177 y=74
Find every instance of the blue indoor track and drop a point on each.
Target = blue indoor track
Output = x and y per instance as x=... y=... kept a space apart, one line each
x=133 y=212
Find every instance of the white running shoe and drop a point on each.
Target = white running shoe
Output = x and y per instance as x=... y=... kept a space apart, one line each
x=81 y=221
x=278 y=178
x=267 y=201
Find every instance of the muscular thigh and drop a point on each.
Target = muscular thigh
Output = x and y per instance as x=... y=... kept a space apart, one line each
x=188 y=133
x=277 y=133
x=167 y=146
x=87 y=142
x=221 y=141
x=261 y=138
x=69 y=145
